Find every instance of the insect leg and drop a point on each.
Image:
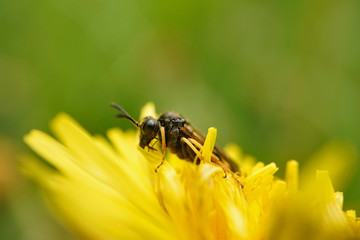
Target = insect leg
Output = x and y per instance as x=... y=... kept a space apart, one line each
x=187 y=141
x=215 y=160
x=198 y=145
x=151 y=147
x=163 y=146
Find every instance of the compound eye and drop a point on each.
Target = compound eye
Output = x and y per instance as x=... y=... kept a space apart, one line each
x=150 y=127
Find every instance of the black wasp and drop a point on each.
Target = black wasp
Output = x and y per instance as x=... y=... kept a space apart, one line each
x=177 y=134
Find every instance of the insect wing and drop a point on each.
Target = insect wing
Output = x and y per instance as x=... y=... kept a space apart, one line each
x=193 y=133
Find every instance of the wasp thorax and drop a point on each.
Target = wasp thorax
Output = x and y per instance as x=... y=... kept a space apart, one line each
x=150 y=127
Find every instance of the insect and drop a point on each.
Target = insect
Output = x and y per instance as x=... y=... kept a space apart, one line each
x=176 y=134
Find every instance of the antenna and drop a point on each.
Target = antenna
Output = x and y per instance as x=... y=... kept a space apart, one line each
x=124 y=114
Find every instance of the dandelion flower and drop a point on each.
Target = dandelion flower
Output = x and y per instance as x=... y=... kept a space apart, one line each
x=109 y=190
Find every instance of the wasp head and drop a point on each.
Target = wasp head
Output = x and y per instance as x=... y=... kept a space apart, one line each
x=149 y=128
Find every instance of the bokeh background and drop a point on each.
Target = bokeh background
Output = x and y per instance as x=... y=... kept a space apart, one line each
x=279 y=78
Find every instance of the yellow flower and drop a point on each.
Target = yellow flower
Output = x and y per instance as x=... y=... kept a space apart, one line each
x=109 y=190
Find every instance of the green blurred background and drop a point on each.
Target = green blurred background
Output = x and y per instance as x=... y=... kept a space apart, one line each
x=280 y=78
